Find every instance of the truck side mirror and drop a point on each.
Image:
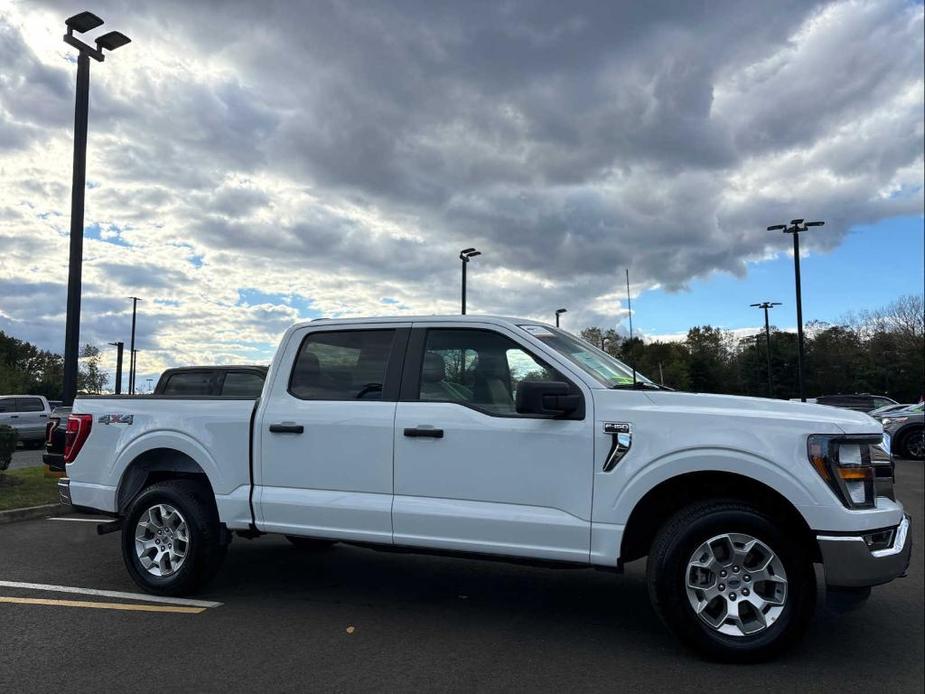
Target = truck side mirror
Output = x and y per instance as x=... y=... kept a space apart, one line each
x=546 y=398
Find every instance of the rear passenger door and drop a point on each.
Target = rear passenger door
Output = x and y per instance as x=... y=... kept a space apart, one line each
x=325 y=434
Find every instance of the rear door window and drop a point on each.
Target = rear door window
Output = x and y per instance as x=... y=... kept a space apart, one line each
x=7 y=405
x=342 y=365
x=30 y=405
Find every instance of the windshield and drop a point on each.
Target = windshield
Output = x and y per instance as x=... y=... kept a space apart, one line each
x=603 y=367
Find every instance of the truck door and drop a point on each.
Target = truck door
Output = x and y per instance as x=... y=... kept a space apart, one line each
x=470 y=472
x=325 y=435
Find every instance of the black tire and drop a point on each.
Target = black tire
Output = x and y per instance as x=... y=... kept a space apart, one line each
x=667 y=567
x=205 y=551
x=309 y=544
x=905 y=443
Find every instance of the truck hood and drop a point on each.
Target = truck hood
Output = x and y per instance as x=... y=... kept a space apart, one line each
x=811 y=417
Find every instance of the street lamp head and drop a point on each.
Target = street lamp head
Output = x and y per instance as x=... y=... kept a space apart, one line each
x=85 y=21
x=112 y=40
x=796 y=222
x=776 y=227
x=814 y=224
x=468 y=253
x=561 y=311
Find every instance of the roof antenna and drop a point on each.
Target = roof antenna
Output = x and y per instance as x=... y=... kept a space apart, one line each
x=629 y=306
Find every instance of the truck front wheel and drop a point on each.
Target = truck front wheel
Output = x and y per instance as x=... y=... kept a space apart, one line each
x=171 y=538
x=729 y=583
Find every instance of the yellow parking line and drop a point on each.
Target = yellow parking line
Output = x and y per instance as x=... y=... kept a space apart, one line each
x=103 y=605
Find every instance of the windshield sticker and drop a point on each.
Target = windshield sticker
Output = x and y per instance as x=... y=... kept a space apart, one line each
x=538 y=330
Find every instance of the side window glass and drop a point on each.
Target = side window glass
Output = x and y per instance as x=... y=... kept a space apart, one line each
x=29 y=405
x=345 y=365
x=524 y=367
x=242 y=384
x=189 y=383
x=7 y=405
x=478 y=368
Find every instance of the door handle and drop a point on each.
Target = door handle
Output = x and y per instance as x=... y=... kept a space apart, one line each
x=14 y=416
x=424 y=432
x=286 y=428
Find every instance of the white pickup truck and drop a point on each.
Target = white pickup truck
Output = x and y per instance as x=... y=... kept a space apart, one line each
x=511 y=438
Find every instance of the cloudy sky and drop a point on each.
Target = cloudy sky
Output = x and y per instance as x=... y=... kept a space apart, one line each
x=254 y=163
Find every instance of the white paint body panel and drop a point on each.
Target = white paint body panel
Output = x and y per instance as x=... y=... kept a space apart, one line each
x=511 y=486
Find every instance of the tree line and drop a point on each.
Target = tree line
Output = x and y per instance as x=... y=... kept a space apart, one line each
x=881 y=351
x=27 y=370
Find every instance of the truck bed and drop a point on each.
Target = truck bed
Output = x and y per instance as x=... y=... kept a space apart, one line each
x=214 y=434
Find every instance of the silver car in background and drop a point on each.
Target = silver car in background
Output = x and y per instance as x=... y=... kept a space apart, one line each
x=907 y=431
x=28 y=415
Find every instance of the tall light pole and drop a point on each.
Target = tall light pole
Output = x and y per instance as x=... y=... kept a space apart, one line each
x=119 y=347
x=767 y=332
x=796 y=226
x=465 y=255
x=559 y=312
x=81 y=23
x=131 y=355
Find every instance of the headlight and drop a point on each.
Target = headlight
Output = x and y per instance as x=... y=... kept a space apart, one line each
x=855 y=467
x=893 y=420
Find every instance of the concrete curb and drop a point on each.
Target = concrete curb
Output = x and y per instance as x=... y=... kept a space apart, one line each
x=33 y=512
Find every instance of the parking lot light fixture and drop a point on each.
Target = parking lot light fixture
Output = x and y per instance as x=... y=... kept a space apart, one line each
x=132 y=350
x=120 y=346
x=80 y=23
x=767 y=331
x=559 y=312
x=465 y=255
x=795 y=227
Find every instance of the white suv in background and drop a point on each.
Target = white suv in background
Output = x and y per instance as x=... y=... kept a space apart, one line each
x=27 y=414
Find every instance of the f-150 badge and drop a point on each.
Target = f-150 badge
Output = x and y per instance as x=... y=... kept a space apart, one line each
x=622 y=434
x=116 y=419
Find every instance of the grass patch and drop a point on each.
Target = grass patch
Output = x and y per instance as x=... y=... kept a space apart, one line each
x=30 y=488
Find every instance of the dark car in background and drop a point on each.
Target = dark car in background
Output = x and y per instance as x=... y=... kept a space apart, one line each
x=861 y=402
x=55 y=431
x=218 y=381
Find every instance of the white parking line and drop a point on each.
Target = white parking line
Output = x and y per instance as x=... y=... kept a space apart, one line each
x=83 y=520
x=109 y=594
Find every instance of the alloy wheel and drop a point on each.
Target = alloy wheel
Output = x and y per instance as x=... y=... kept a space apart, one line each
x=161 y=540
x=736 y=584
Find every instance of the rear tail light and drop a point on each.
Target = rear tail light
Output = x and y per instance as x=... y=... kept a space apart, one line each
x=78 y=429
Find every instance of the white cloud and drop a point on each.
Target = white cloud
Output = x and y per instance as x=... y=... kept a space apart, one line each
x=335 y=157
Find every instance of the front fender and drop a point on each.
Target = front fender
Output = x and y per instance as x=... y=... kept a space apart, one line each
x=782 y=480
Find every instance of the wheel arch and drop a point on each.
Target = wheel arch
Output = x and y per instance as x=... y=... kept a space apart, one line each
x=669 y=496
x=156 y=465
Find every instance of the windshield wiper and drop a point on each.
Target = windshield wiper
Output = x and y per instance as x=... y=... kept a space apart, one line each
x=637 y=385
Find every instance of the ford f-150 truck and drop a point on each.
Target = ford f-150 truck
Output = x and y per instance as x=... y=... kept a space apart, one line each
x=511 y=438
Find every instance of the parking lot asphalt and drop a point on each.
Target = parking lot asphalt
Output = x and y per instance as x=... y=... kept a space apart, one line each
x=26 y=457
x=352 y=619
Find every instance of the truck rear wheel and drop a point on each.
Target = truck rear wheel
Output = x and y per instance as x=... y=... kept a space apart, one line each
x=729 y=584
x=171 y=538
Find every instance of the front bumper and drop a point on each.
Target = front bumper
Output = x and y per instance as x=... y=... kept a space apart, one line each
x=849 y=563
